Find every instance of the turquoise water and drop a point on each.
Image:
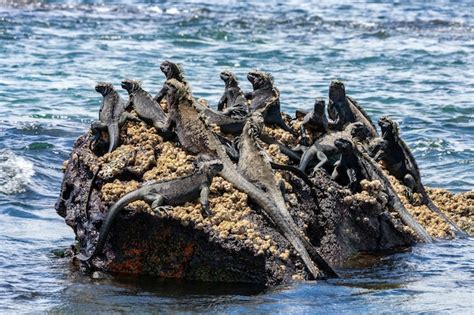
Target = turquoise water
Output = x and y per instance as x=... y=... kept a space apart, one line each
x=414 y=62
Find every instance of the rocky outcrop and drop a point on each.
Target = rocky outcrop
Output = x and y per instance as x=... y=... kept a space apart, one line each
x=235 y=244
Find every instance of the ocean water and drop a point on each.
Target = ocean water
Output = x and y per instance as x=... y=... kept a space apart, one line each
x=413 y=62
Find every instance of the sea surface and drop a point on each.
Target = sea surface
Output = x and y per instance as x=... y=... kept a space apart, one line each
x=413 y=62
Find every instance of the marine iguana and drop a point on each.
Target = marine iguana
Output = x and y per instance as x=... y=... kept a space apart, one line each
x=316 y=121
x=144 y=105
x=347 y=167
x=112 y=115
x=343 y=110
x=171 y=192
x=171 y=71
x=324 y=147
x=265 y=95
x=195 y=137
x=233 y=102
x=255 y=165
x=401 y=163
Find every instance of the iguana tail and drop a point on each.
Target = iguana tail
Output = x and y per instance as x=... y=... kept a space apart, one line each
x=89 y=191
x=107 y=224
x=114 y=136
x=231 y=174
x=376 y=173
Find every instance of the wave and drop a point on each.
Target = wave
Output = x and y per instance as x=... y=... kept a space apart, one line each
x=16 y=172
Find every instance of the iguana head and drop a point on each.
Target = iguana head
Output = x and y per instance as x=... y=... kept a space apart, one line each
x=388 y=127
x=172 y=70
x=228 y=77
x=319 y=106
x=260 y=79
x=131 y=85
x=208 y=165
x=360 y=131
x=343 y=145
x=104 y=88
x=337 y=91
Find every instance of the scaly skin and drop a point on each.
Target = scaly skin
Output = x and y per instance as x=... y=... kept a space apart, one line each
x=171 y=71
x=232 y=102
x=255 y=165
x=112 y=114
x=146 y=108
x=324 y=147
x=401 y=164
x=347 y=165
x=195 y=136
x=267 y=97
x=316 y=120
x=167 y=192
x=344 y=110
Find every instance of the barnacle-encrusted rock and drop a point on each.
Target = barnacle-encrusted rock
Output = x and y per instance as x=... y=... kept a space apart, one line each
x=237 y=243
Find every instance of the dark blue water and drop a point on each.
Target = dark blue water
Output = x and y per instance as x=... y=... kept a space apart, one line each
x=414 y=62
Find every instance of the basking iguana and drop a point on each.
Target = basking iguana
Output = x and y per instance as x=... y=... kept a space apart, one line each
x=324 y=148
x=171 y=71
x=344 y=110
x=256 y=166
x=166 y=192
x=233 y=102
x=146 y=108
x=195 y=137
x=112 y=115
x=266 y=96
x=316 y=121
x=347 y=169
x=401 y=163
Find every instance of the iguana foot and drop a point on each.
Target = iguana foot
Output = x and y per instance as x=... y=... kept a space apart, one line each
x=165 y=209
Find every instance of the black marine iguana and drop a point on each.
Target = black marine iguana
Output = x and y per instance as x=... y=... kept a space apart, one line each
x=195 y=137
x=171 y=71
x=112 y=115
x=343 y=110
x=233 y=102
x=348 y=166
x=401 y=163
x=316 y=121
x=255 y=165
x=365 y=167
x=265 y=95
x=166 y=192
x=324 y=147
x=146 y=108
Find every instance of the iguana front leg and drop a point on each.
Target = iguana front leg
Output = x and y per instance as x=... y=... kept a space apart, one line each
x=222 y=102
x=160 y=95
x=351 y=174
x=204 y=199
x=127 y=116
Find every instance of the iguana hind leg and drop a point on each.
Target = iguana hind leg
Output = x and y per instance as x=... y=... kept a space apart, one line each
x=156 y=202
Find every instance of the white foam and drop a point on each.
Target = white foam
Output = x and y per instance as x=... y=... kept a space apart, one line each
x=15 y=172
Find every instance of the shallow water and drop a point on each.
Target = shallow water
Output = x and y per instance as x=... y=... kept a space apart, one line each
x=413 y=62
